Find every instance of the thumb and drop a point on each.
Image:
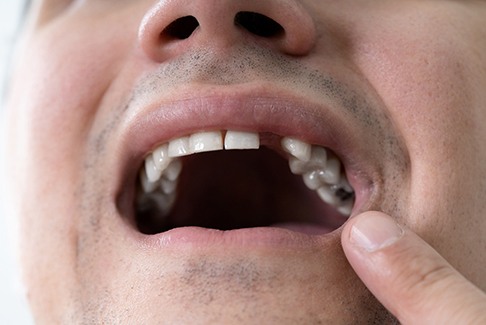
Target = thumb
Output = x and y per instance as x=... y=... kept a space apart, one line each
x=407 y=275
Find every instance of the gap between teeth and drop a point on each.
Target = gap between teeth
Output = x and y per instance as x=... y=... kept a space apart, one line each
x=320 y=169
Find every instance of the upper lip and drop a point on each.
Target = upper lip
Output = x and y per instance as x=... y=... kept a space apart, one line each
x=248 y=107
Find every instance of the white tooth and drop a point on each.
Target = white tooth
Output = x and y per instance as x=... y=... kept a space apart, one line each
x=167 y=186
x=161 y=157
x=179 y=147
x=297 y=166
x=164 y=202
x=312 y=180
x=318 y=157
x=153 y=173
x=297 y=148
x=346 y=208
x=206 y=141
x=332 y=172
x=147 y=185
x=241 y=140
x=173 y=170
x=327 y=195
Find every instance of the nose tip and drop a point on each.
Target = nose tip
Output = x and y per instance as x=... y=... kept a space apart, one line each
x=172 y=27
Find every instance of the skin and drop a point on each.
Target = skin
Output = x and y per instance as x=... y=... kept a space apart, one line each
x=84 y=68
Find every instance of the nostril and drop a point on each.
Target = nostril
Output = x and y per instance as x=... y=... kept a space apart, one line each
x=258 y=24
x=181 y=28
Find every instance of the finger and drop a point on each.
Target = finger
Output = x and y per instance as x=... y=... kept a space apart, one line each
x=407 y=275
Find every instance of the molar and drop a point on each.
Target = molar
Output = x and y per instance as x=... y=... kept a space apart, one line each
x=328 y=195
x=332 y=172
x=312 y=180
x=321 y=172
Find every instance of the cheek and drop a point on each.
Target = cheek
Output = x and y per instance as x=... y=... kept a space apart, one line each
x=426 y=83
x=427 y=94
x=423 y=85
x=60 y=82
x=54 y=97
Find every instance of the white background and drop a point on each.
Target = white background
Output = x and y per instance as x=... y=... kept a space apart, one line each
x=13 y=309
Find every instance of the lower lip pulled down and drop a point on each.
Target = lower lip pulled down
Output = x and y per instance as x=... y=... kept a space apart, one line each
x=282 y=236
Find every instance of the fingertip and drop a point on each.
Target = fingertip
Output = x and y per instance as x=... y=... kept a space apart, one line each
x=371 y=231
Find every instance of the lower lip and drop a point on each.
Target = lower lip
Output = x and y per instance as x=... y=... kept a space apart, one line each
x=289 y=236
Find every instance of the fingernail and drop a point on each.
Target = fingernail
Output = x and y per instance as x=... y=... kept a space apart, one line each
x=375 y=231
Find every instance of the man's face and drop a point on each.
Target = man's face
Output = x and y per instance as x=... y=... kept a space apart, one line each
x=394 y=90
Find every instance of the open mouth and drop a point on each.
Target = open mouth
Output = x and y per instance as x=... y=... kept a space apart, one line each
x=227 y=179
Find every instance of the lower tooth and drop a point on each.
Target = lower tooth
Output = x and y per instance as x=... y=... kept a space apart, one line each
x=164 y=202
x=147 y=185
x=168 y=186
x=156 y=201
x=327 y=195
x=346 y=208
x=173 y=170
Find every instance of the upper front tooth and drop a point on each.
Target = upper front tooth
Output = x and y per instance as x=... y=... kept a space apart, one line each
x=241 y=140
x=179 y=147
x=206 y=141
x=297 y=148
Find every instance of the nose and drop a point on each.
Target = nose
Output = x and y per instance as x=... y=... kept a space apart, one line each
x=174 y=26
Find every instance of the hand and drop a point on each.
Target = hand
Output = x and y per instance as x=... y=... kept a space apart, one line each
x=408 y=276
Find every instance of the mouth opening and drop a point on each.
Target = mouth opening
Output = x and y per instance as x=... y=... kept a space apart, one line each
x=234 y=189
